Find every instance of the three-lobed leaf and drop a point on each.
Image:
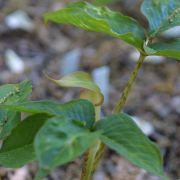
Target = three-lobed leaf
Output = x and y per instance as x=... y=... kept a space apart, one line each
x=100 y=19
x=17 y=149
x=161 y=14
x=81 y=110
x=120 y=133
x=61 y=140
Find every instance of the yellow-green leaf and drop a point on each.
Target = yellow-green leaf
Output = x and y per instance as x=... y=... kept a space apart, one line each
x=82 y=80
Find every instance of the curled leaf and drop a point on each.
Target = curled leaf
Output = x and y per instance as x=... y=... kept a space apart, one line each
x=80 y=79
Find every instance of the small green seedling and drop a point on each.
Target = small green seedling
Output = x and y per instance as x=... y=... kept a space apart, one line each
x=54 y=134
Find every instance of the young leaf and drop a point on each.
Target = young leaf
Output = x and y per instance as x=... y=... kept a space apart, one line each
x=161 y=14
x=60 y=141
x=120 y=133
x=100 y=19
x=9 y=94
x=170 y=49
x=82 y=80
x=17 y=149
x=81 y=109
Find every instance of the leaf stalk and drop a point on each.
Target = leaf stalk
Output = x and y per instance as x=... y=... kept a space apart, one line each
x=120 y=104
x=122 y=100
x=90 y=155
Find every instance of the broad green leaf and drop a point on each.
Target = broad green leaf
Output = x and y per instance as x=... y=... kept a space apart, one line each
x=100 y=19
x=81 y=109
x=60 y=141
x=120 y=133
x=9 y=94
x=82 y=80
x=17 y=149
x=171 y=49
x=161 y=14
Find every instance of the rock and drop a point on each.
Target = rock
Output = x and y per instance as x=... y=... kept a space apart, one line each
x=99 y=175
x=14 y=62
x=70 y=62
x=173 y=32
x=134 y=55
x=101 y=77
x=20 y=174
x=19 y=20
x=154 y=59
x=145 y=126
x=175 y=103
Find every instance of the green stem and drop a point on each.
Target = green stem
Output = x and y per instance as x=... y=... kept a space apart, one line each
x=87 y=164
x=89 y=157
x=120 y=104
x=122 y=101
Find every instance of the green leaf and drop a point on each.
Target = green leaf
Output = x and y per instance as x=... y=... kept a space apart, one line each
x=100 y=19
x=171 y=49
x=8 y=120
x=60 y=141
x=9 y=94
x=161 y=14
x=17 y=149
x=120 y=133
x=104 y=2
x=82 y=80
x=81 y=109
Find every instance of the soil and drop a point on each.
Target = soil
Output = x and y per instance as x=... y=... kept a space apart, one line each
x=155 y=96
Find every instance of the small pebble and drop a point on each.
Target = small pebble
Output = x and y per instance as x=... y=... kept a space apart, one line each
x=145 y=126
x=14 y=62
x=172 y=33
x=101 y=78
x=70 y=62
x=175 y=103
x=19 y=20
x=134 y=55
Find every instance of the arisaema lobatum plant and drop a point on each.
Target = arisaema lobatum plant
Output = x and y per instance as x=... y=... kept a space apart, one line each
x=53 y=133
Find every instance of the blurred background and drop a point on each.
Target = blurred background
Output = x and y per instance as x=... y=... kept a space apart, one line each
x=28 y=47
